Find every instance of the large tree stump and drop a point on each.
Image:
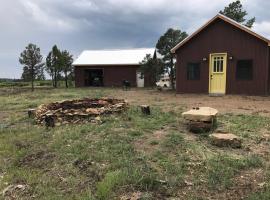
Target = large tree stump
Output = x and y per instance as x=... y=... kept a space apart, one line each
x=145 y=109
x=200 y=127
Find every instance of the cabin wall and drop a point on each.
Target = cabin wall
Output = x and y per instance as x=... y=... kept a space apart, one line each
x=222 y=37
x=112 y=75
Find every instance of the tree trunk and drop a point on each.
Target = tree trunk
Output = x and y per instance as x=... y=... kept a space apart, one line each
x=172 y=74
x=32 y=78
x=52 y=80
x=55 y=79
x=66 y=79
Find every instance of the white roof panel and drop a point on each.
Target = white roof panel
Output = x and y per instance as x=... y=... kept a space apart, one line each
x=113 y=57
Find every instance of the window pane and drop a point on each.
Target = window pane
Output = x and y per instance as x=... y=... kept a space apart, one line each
x=193 y=71
x=221 y=65
x=244 y=70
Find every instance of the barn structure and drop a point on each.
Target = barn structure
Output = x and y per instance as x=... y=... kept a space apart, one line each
x=111 y=67
x=223 y=57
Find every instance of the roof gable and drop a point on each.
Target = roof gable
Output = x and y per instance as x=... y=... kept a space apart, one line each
x=226 y=19
x=113 y=57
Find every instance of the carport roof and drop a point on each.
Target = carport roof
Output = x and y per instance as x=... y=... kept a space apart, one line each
x=113 y=57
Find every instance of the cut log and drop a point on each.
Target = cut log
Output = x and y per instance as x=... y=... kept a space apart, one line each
x=226 y=140
x=200 y=127
x=145 y=109
x=49 y=121
x=31 y=113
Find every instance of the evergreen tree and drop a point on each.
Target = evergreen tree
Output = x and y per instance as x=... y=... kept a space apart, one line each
x=236 y=12
x=152 y=67
x=67 y=69
x=32 y=61
x=54 y=64
x=164 y=45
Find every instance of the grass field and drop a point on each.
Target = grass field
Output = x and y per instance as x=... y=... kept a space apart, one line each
x=131 y=155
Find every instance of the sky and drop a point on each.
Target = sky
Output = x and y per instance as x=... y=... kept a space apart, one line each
x=77 y=25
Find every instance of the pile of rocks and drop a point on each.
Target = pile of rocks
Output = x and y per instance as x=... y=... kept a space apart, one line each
x=201 y=119
x=78 y=111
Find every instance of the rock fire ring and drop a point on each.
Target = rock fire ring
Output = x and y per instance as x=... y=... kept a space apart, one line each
x=78 y=111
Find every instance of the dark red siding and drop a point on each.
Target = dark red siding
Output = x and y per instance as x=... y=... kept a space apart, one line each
x=222 y=37
x=112 y=75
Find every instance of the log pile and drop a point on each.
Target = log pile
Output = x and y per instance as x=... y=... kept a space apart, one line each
x=78 y=111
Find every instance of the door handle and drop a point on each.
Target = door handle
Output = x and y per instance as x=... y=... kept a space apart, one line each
x=211 y=76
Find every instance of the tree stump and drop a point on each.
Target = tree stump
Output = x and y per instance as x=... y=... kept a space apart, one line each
x=49 y=121
x=145 y=109
x=31 y=113
x=200 y=127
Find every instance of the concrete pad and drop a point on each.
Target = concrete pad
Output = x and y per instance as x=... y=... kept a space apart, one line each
x=225 y=140
x=202 y=114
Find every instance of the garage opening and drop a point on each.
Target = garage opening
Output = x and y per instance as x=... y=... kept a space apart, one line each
x=93 y=77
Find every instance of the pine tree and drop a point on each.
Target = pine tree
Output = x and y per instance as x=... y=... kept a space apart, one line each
x=164 y=45
x=32 y=61
x=235 y=11
x=67 y=60
x=153 y=68
x=54 y=64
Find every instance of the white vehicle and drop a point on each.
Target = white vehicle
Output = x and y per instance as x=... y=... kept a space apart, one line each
x=164 y=82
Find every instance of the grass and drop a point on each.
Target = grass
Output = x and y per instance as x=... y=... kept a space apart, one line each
x=122 y=155
x=222 y=168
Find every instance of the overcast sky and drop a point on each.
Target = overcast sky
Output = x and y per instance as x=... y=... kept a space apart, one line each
x=76 y=25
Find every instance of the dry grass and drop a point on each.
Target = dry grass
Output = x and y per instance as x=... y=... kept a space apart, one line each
x=153 y=157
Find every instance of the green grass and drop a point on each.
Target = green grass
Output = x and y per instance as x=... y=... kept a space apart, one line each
x=222 y=168
x=120 y=156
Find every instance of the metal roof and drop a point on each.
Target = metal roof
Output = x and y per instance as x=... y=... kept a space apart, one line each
x=113 y=57
x=226 y=19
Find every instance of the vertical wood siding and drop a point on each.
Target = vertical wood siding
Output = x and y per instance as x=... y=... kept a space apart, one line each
x=221 y=37
x=112 y=75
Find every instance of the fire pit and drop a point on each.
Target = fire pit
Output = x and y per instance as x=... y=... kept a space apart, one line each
x=78 y=111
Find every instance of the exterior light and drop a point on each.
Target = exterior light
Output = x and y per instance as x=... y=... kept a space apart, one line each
x=204 y=59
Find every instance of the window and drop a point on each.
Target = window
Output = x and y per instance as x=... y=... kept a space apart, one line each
x=244 y=70
x=193 y=71
x=218 y=64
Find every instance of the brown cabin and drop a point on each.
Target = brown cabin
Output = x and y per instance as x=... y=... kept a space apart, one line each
x=223 y=57
x=111 y=67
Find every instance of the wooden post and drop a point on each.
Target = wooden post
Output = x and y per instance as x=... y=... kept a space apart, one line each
x=31 y=113
x=145 y=109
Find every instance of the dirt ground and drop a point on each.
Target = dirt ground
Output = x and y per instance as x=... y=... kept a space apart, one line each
x=225 y=104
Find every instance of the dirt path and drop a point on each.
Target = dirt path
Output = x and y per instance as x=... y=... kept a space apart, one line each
x=226 y=104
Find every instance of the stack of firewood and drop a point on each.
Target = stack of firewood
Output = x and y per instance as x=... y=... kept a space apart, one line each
x=78 y=111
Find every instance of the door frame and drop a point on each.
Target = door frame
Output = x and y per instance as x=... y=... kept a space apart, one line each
x=210 y=71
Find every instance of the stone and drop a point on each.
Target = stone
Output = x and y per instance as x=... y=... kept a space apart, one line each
x=226 y=140
x=202 y=114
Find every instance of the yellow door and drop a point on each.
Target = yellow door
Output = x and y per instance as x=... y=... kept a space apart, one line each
x=217 y=73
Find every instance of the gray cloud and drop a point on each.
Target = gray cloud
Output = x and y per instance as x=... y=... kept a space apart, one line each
x=98 y=24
